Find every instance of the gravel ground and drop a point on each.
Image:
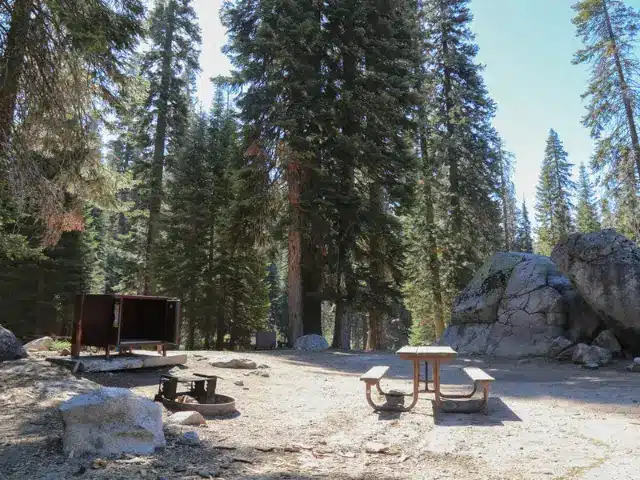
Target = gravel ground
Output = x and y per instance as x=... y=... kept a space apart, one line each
x=309 y=419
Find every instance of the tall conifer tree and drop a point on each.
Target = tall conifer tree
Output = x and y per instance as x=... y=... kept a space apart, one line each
x=554 y=196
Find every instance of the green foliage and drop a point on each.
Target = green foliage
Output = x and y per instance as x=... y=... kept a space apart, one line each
x=553 y=196
x=59 y=345
x=587 y=214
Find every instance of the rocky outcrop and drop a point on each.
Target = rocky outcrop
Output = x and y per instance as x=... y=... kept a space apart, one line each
x=311 y=343
x=111 y=421
x=39 y=344
x=10 y=346
x=558 y=346
x=516 y=306
x=605 y=268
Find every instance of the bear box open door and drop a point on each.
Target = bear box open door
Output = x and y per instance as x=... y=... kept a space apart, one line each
x=125 y=321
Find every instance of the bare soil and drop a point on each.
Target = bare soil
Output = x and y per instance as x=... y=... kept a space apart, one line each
x=309 y=419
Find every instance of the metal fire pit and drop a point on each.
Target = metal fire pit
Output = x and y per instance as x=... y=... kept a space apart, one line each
x=202 y=388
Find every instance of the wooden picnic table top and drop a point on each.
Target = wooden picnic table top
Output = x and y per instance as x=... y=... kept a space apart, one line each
x=427 y=353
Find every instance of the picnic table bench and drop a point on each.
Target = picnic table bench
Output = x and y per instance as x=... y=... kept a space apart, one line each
x=436 y=355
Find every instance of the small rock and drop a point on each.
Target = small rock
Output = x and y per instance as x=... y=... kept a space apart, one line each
x=179 y=468
x=591 y=366
x=591 y=354
x=263 y=366
x=635 y=366
x=98 y=463
x=311 y=343
x=186 y=399
x=239 y=383
x=376 y=448
x=189 y=438
x=65 y=352
x=606 y=339
x=558 y=345
x=186 y=418
x=260 y=373
x=207 y=474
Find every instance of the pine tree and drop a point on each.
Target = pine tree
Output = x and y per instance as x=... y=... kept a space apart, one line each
x=608 y=30
x=586 y=210
x=524 y=241
x=169 y=66
x=553 y=196
x=287 y=113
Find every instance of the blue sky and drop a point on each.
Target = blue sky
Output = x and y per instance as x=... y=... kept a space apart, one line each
x=526 y=46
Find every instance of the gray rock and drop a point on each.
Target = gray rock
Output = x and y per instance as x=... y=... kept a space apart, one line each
x=39 y=345
x=586 y=354
x=311 y=343
x=260 y=373
x=516 y=306
x=186 y=418
x=10 y=346
x=239 y=383
x=189 y=438
x=606 y=339
x=605 y=269
x=567 y=355
x=234 y=362
x=111 y=421
x=558 y=346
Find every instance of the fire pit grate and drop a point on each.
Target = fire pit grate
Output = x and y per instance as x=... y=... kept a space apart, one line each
x=200 y=397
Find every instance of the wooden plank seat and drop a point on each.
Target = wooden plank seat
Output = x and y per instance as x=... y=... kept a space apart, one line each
x=372 y=378
x=481 y=379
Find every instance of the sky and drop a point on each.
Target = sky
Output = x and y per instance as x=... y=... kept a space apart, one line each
x=526 y=47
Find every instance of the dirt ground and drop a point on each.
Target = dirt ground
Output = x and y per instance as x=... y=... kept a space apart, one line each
x=309 y=419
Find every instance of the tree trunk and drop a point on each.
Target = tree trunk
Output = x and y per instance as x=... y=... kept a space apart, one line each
x=431 y=240
x=346 y=331
x=626 y=94
x=157 y=166
x=220 y=325
x=295 y=253
x=191 y=325
x=11 y=68
x=374 y=330
x=346 y=287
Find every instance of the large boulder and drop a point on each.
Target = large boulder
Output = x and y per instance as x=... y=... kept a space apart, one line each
x=111 y=421
x=605 y=268
x=10 y=346
x=311 y=343
x=516 y=305
x=39 y=344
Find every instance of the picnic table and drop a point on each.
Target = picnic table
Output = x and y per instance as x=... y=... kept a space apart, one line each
x=433 y=354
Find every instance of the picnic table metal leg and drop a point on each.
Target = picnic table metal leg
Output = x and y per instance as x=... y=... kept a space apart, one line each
x=436 y=383
x=426 y=377
x=398 y=408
